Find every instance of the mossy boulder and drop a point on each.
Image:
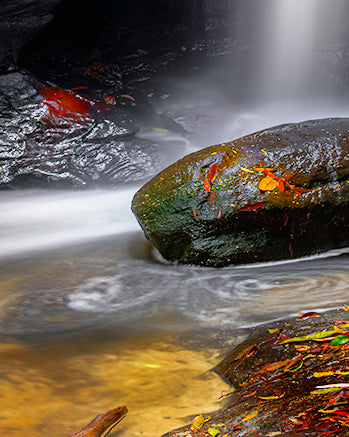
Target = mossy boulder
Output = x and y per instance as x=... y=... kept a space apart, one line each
x=211 y=208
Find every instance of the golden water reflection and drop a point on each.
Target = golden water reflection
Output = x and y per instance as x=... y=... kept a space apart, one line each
x=54 y=390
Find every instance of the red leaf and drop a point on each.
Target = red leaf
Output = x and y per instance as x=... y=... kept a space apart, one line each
x=212 y=197
x=212 y=173
x=195 y=214
x=269 y=173
x=252 y=206
x=207 y=186
x=65 y=105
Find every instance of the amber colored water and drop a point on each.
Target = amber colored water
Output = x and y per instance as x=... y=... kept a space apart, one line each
x=56 y=389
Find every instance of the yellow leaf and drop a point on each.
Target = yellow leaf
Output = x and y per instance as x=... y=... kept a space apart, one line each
x=248 y=417
x=272 y=397
x=295 y=421
x=329 y=373
x=197 y=422
x=246 y=170
x=267 y=184
x=272 y=331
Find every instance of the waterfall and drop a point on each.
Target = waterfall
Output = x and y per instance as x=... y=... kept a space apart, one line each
x=291 y=49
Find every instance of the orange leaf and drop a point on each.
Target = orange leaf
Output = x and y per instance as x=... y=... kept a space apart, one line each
x=207 y=186
x=127 y=96
x=246 y=352
x=277 y=365
x=268 y=173
x=308 y=315
x=212 y=197
x=346 y=308
x=110 y=100
x=261 y=169
x=267 y=184
x=301 y=347
x=282 y=186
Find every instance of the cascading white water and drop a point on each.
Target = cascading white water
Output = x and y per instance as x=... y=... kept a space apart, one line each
x=34 y=220
x=292 y=49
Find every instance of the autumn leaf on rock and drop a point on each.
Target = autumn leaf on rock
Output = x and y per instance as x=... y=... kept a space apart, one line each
x=212 y=173
x=252 y=206
x=248 y=417
x=197 y=422
x=267 y=184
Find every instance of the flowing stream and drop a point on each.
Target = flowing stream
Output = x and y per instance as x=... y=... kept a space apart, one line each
x=91 y=317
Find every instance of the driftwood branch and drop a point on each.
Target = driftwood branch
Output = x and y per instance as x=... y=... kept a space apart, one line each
x=102 y=423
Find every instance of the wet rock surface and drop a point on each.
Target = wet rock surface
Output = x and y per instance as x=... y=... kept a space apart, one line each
x=216 y=207
x=290 y=378
x=106 y=119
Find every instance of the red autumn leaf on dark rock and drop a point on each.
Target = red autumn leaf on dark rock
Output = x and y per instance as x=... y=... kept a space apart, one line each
x=252 y=206
x=65 y=105
x=212 y=173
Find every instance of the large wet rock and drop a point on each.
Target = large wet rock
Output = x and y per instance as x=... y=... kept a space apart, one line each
x=55 y=137
x=211 y=208
x=290 y=379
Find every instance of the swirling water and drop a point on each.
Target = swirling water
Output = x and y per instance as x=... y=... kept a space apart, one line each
x=91 y=311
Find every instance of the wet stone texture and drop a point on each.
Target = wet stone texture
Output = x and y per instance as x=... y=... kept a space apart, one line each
x=276 y=194
x=51 y=136
x=83 y=100
x=289 y=379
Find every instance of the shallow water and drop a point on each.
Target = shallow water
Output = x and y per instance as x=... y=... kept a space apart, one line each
x=103 y=322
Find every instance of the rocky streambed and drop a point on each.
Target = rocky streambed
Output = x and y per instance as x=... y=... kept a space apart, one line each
x=290 y=378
